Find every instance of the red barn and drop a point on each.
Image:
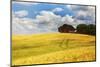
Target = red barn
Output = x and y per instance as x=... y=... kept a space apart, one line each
x=66 y=29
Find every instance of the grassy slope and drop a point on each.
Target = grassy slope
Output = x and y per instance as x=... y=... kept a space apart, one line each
x=52 y=48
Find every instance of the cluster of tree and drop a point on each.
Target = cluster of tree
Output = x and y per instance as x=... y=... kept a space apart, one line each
x=86 y=29
x=81 y=28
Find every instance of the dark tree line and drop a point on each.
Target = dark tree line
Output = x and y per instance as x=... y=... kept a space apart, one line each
x=81 y=28
x=86 y=29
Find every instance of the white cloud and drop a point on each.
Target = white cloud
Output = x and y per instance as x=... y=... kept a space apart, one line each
x=47 y=17
x=57 y=10
x=23 y=25
x=21 y=13
x=67 y=18
x=84 y=12
x=68 y=6
x=46 y=21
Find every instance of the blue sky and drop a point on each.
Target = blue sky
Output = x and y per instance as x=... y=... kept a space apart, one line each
x=33 y=10
x=32 y=17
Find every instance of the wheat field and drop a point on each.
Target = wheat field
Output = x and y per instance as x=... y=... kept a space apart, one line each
x=52 y=48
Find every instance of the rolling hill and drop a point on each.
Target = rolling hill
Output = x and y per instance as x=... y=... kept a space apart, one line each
x=52 y=48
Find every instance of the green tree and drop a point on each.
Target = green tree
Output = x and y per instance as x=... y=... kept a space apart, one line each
x=82 y=28
x=91 y=29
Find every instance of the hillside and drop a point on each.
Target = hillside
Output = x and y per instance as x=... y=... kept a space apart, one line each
x=52 y=48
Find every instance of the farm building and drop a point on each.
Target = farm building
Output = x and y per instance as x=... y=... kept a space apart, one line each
x=66 y=29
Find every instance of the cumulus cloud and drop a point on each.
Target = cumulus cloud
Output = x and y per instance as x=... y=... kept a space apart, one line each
x=23 y=25
x=21 y=13
x=47 y=17
x=57 y=10
x=48 y=21
x=45 y=22
x=85 y=13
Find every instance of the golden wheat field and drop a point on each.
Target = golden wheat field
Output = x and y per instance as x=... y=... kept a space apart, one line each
x=52 y=48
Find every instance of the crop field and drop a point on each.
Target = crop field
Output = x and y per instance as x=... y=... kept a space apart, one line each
x=52 y=48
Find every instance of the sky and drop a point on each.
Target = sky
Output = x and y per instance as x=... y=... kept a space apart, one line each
x=35 y=17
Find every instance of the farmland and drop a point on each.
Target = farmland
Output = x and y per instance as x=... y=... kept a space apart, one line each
x=52 y=48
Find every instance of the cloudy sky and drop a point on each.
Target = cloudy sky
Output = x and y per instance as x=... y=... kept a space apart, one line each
x=30 y=17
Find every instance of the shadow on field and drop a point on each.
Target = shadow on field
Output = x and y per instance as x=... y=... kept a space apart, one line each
x=15 y=66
